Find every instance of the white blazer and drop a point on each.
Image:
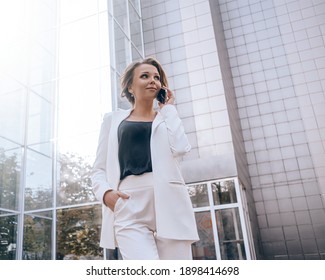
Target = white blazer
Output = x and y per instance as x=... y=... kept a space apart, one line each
x=174 y=213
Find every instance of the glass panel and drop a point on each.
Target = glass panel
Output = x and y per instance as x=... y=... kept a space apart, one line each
x=104 y=5
x=111 y=25
x=78 y=46
x=77 y=123
x=113 y=89
x=38 y=192
x=75 y=184
x=8 y=84
x=37 y=236
x=122 y=52
x=75 y=9
x=224 y=192
x=78 y=231
x=120 y=13
x=104 y=45
x=230 y=234
x=122 y=102
x=8 y=235
x=204 y=249
x=136 y=4
x=40 y=120
x=135 y=27
x=12 y=115
x=43 y=148
x=42 y=64
x=46 y=90
x=199 y=195
x=10 y=166
x=135 y=54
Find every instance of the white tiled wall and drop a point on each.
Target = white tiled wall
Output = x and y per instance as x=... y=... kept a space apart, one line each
x=277 y=55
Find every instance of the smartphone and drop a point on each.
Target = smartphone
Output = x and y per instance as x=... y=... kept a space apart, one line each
x=161 y=96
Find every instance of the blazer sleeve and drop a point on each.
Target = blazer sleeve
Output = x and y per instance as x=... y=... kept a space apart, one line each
x=178 y=140
x=98 y=175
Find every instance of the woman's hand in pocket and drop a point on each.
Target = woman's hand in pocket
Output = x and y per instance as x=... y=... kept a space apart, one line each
x=111 y=197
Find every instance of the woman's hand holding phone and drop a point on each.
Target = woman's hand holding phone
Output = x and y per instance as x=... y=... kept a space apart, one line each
x=165 y=96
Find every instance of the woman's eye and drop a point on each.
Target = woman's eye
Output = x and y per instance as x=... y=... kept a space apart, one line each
x=144 y=76
x=157 y=78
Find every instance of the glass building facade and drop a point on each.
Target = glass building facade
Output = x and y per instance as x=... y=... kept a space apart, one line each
x=249 y=83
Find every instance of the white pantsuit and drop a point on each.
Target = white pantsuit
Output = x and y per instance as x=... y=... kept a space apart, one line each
x=174 y=215
x=135 y=224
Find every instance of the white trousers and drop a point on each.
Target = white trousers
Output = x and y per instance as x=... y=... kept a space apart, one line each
x=135 y=224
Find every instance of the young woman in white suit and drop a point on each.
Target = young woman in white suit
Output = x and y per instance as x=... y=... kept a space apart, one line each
x=147 y=212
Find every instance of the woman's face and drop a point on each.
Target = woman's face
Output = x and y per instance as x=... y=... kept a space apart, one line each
x=146 y=82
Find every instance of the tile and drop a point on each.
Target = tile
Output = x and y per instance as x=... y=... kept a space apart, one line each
x=299 y=203
x=294 y=247
x=271 y=206
x=291 y=232
x=309 y=246
x=303 y=217
x=306 y=231
x=285 y=205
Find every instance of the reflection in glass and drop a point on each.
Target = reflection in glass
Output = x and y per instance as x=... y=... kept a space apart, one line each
x=12 y=115
x=204 y=249
x=79 y=105
x=8 y=230
x=122 y=53
x=10 y=164
x=75 y=185
x=135 y=28
x=37 y=236
x=40 y=120
x=45 y=90
x=38 y=192
x=199 y=195
x=122 y=102
x=78 y=231
x=120 y=13
x=78 y=45
x=135 y=54
x=136 y=4
x=42 y=63
x=224 y=192
x=230 y=234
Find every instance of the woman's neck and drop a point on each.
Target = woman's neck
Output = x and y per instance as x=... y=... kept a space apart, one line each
x=142 y=112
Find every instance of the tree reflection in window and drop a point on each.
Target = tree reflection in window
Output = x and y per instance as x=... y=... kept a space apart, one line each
x=37 y=236
x=9 y=188
x=224 y=192
x=8 y=229
x=230 y=234
x=78 y=232
x=75 y=184
x=9 y=178
x=199 y=195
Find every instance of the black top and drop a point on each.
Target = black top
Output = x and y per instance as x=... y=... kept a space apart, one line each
x=134 y=148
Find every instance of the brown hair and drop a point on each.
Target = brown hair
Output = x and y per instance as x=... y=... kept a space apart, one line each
x=127 y=76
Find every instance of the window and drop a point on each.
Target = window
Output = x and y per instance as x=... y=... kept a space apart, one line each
x=220 y=220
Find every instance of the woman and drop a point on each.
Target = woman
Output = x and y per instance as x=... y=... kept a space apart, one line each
x=147 y=212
